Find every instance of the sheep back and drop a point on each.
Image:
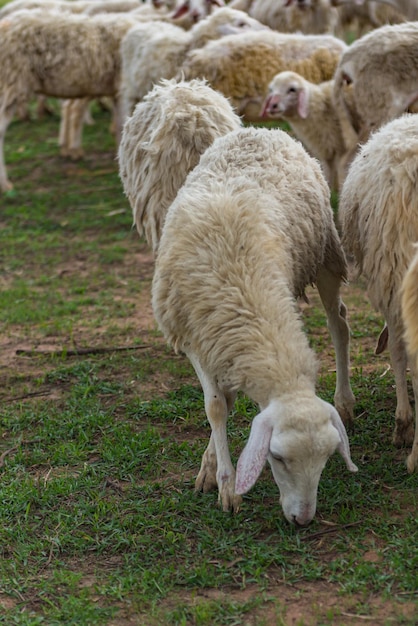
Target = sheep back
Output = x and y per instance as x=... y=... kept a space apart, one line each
x=378 y=210
x=162 y=141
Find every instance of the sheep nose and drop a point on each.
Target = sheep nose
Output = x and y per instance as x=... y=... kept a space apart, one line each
x=300 y=521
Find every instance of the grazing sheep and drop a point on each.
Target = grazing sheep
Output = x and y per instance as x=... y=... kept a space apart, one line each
x=377 y=80
x=241 y=67
x=378 y=210
x=153 y=51
x=231 y=261
x=200 y=114
x=58 y=55
x=310 y=112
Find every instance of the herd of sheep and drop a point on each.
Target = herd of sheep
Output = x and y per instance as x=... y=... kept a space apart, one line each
x=239 y=216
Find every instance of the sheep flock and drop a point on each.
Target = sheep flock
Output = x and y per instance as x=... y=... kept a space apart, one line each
x=233 y=124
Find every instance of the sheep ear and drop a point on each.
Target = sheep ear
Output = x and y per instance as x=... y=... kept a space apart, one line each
x=254 y=455
x=229 y=29
x=303 y=103
x=344 y=446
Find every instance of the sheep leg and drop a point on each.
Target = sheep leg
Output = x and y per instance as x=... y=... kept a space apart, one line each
x=404 y=426
x=6 y=116
x=412 y=461
x=216 y=459
x=77 y=113
x=328 y=285
x=63 y=139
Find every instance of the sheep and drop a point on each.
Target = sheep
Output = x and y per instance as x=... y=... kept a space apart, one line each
x=361 y=18
x=241 y=67
x=376 y=80
x=310 y=112
x=90 y=7
x=200 y=114
x=231 y=261
x=378 y=211
x=58 y=55
x=150 y=52
x=406 y=8
x=289 y=16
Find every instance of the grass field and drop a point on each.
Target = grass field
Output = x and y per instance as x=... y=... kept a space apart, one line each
x=103 y=427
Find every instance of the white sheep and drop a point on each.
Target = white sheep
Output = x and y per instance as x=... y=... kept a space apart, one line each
x=309 y=110
x=241 y=67
x=192 y=114
x=290 y=16
x=378 y=210
x=150 y=52
x=377 y=80
x=58 y=55
x=249 y=229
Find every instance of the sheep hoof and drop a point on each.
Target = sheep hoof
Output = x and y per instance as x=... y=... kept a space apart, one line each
x=403 y=434
x=412 y=460
x=205 y=482
x=230 y=503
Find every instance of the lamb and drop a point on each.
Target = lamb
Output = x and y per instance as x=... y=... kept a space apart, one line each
x=377 y=80
x=310 y=112
x=153 y=51
x=241 y=67
x=378 y=210
x=39 y=55
x=231 y=261
x=200 y=114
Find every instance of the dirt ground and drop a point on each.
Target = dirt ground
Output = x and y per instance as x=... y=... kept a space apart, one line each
x=305 y=603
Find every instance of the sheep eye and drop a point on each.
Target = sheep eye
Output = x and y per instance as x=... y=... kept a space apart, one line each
x=291 y=90
x=278 y=458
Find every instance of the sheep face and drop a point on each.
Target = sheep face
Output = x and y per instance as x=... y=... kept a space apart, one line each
x=297 y=437
x=287 y=97
x=297 y=459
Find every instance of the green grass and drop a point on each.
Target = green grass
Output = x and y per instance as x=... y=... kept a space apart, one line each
x=99 y=522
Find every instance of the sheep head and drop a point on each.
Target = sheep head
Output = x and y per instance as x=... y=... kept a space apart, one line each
x=296 y=437
x=288 y=96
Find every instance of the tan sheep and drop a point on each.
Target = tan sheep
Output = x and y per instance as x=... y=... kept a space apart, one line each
x=241 y=67
x=309 y=110
x=378 y=210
